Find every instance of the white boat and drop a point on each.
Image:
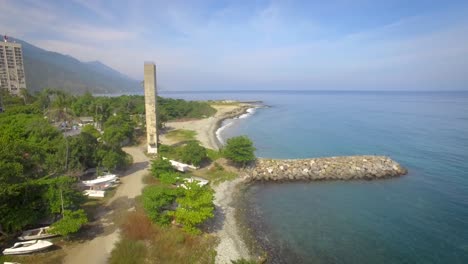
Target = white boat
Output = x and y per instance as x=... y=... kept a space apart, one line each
x=101 y=180
x=199 y=181
x=94 y=193
x=27 y=247
x=38 y=233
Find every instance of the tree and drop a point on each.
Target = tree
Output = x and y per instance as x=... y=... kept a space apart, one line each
x=193 y=153
x=160 y=166
x=194 y=207
x=239 y=150
x=155 y=200
x=71 y=222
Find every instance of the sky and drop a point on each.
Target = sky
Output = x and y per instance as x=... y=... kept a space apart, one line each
x=258 y=45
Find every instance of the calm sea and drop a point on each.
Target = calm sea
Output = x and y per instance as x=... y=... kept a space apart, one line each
x=419 y=218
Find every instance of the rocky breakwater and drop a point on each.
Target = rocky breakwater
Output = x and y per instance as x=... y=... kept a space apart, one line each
x=332 y=168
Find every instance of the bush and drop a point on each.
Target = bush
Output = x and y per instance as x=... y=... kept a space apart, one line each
x=156 y=199
x=169 y=178
x=137 y=226
x=71 y=222
x=127 y=251
x=195 y=206
x=239 y=150
x=193 y=153
x=160 y=166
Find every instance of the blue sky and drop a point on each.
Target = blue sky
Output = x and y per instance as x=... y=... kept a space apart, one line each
x=216 y=45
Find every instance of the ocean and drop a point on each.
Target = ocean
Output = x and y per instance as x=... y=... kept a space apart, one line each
x=418 y=218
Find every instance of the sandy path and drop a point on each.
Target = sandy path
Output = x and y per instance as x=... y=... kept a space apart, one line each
x=231 y=246
x=99 y=248
x=205 y=128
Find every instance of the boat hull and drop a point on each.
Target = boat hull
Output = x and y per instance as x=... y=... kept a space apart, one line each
x=22 y=248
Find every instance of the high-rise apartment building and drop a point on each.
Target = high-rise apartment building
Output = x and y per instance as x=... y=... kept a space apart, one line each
x=12 y=77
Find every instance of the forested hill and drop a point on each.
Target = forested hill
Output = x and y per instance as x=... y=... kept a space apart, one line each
x=47 y=69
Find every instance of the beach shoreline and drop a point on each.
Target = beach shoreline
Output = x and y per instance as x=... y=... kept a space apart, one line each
x=206 y=128
x=232 y=245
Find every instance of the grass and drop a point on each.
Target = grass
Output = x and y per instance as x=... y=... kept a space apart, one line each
x=217 y=174
x=129 y=252
x=213 y=154
x=181 y=135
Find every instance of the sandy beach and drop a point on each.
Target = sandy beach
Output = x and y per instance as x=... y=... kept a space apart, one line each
x=231 y=246
x=206 y=128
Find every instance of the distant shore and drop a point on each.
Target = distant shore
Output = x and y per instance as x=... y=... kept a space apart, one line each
x=207 y=128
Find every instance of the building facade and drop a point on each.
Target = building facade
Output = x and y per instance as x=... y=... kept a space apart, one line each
x=151 y=97
x=12 y=77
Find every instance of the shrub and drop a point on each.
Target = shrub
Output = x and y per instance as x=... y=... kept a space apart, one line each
x=128 y=251
x=156 y=199
x=137 y=226
x=193 y=153
x=71 y=222
x=239 y=150
x=195 y=206
x=160 y=166
x=169 y=178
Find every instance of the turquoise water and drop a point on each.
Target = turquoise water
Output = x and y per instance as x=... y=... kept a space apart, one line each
x=419 y=218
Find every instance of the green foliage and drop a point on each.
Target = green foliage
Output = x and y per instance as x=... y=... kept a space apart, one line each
x=156 y=199
x=193 y=153
x=71 y=222
x=60 y=192
x=217 y=174
x=117 y=129
x=112 y=159
x=213 y=154
x=169 y=178
x=89 y=129
x=239 y=150
x=195 y=206
x=128 y=251
x=160 y=166
x=172 y=109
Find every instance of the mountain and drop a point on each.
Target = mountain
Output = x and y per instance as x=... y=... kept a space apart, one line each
x=47 y=69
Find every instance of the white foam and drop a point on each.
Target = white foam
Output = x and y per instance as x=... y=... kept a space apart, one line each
x=218 y=132
x=249 y=112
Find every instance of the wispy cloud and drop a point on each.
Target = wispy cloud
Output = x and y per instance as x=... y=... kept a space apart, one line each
x=218 y=44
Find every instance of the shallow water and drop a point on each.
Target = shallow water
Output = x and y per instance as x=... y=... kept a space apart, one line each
x=419 y=218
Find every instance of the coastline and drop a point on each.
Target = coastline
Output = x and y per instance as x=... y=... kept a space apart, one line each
x=232 y=244
x=206 y=129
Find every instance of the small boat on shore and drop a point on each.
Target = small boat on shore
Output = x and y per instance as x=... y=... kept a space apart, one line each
x=37 y=233
x=27 y=247
x=101 y=180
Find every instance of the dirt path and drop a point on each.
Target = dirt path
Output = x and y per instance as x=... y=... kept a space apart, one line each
x=98 y=249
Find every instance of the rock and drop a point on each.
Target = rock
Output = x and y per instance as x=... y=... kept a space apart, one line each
x=333 y=168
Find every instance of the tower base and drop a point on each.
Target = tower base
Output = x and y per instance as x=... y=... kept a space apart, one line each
x=152 y=149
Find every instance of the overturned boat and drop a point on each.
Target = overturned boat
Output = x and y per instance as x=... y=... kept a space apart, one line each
x=37 y=233
x=27 y=247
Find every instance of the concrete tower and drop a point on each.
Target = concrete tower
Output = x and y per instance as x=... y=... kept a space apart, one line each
x=150 y=107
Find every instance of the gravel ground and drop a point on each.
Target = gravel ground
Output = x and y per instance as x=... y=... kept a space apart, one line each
x=231 y=246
